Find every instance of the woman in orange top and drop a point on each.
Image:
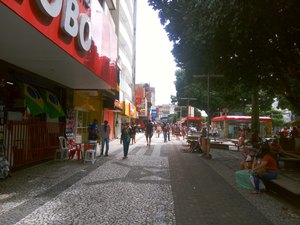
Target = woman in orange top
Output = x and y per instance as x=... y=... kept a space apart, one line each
x=268 y=163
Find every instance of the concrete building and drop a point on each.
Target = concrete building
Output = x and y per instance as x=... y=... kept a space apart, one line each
x=145 y=101
x=165 y=110
x=125 y=19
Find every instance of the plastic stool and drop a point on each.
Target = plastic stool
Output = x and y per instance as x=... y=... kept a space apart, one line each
x=89 y=156
x=92 y=144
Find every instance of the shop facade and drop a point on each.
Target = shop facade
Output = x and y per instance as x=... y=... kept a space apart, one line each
x=62 y=50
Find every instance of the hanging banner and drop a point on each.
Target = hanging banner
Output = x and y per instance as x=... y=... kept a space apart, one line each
x=33 y=99
x=53 y=107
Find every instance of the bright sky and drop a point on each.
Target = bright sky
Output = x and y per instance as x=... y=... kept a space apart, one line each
x=154 y=61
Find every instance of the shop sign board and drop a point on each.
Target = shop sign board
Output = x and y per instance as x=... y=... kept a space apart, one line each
x=81 y=28
x=132 y=109
x=153 y=113
x=119 y=105
x=141 y=106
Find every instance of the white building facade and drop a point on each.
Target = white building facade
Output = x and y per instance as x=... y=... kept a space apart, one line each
x=125 y=20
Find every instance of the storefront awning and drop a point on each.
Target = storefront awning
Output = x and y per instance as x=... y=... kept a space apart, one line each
x=244 y=118
x=190 y=118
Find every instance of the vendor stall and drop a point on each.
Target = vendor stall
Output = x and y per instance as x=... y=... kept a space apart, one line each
x=231 y=125
x=192 y=121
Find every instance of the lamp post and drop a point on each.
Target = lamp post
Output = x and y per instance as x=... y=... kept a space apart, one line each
x=188 y=109
x=208 y=76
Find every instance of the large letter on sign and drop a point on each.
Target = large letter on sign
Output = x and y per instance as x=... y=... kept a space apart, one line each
x=84 y=38
x=50 y=8
x=69 y=22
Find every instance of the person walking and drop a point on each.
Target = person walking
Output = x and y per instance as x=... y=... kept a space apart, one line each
x=149 y=132
x=126 y=136
x=122 y=127
x=158 y=130
x=242 y=137
x=177 y=131
x=166 y=132
x=104 y=132
x=183 y=131
x=133 y=133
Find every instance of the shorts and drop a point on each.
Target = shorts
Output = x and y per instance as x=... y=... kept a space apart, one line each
x=148 y=135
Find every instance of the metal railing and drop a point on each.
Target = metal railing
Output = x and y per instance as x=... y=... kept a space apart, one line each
x=31 y=142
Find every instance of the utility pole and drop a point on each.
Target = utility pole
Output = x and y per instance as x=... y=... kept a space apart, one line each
x=208 y=76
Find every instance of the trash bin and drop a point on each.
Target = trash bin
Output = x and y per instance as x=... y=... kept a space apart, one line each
x=205 y=141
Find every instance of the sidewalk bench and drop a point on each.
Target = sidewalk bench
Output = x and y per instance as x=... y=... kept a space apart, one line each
x=285 y=187
x=290 y=162
x=219 y=145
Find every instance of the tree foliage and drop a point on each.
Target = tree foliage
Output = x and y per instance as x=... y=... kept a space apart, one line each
x=235 y=98
x=254 y=44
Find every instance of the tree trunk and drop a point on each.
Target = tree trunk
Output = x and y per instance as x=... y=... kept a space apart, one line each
x=255 y=112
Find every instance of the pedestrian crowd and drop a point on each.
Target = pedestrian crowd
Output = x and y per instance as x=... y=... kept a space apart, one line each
x=259 y=159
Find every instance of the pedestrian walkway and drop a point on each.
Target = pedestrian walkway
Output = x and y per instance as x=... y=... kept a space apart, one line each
x=157 y=184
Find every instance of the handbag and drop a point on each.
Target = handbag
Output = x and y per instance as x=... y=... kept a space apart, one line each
x=242 y=178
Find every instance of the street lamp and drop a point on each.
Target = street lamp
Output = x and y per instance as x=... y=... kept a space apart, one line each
x=208 y=76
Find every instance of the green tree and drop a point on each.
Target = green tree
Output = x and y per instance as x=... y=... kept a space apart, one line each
x=277 y=117
x=221 y=96
x=253 y=43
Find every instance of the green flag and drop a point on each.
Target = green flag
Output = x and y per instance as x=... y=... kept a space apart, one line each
x=33 y=99
x=53 y=106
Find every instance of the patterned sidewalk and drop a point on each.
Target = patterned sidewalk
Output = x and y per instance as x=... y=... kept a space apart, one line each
x=159 y=184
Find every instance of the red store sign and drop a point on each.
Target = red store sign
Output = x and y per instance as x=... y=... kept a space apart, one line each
x=118 y=104
x=80 y=28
